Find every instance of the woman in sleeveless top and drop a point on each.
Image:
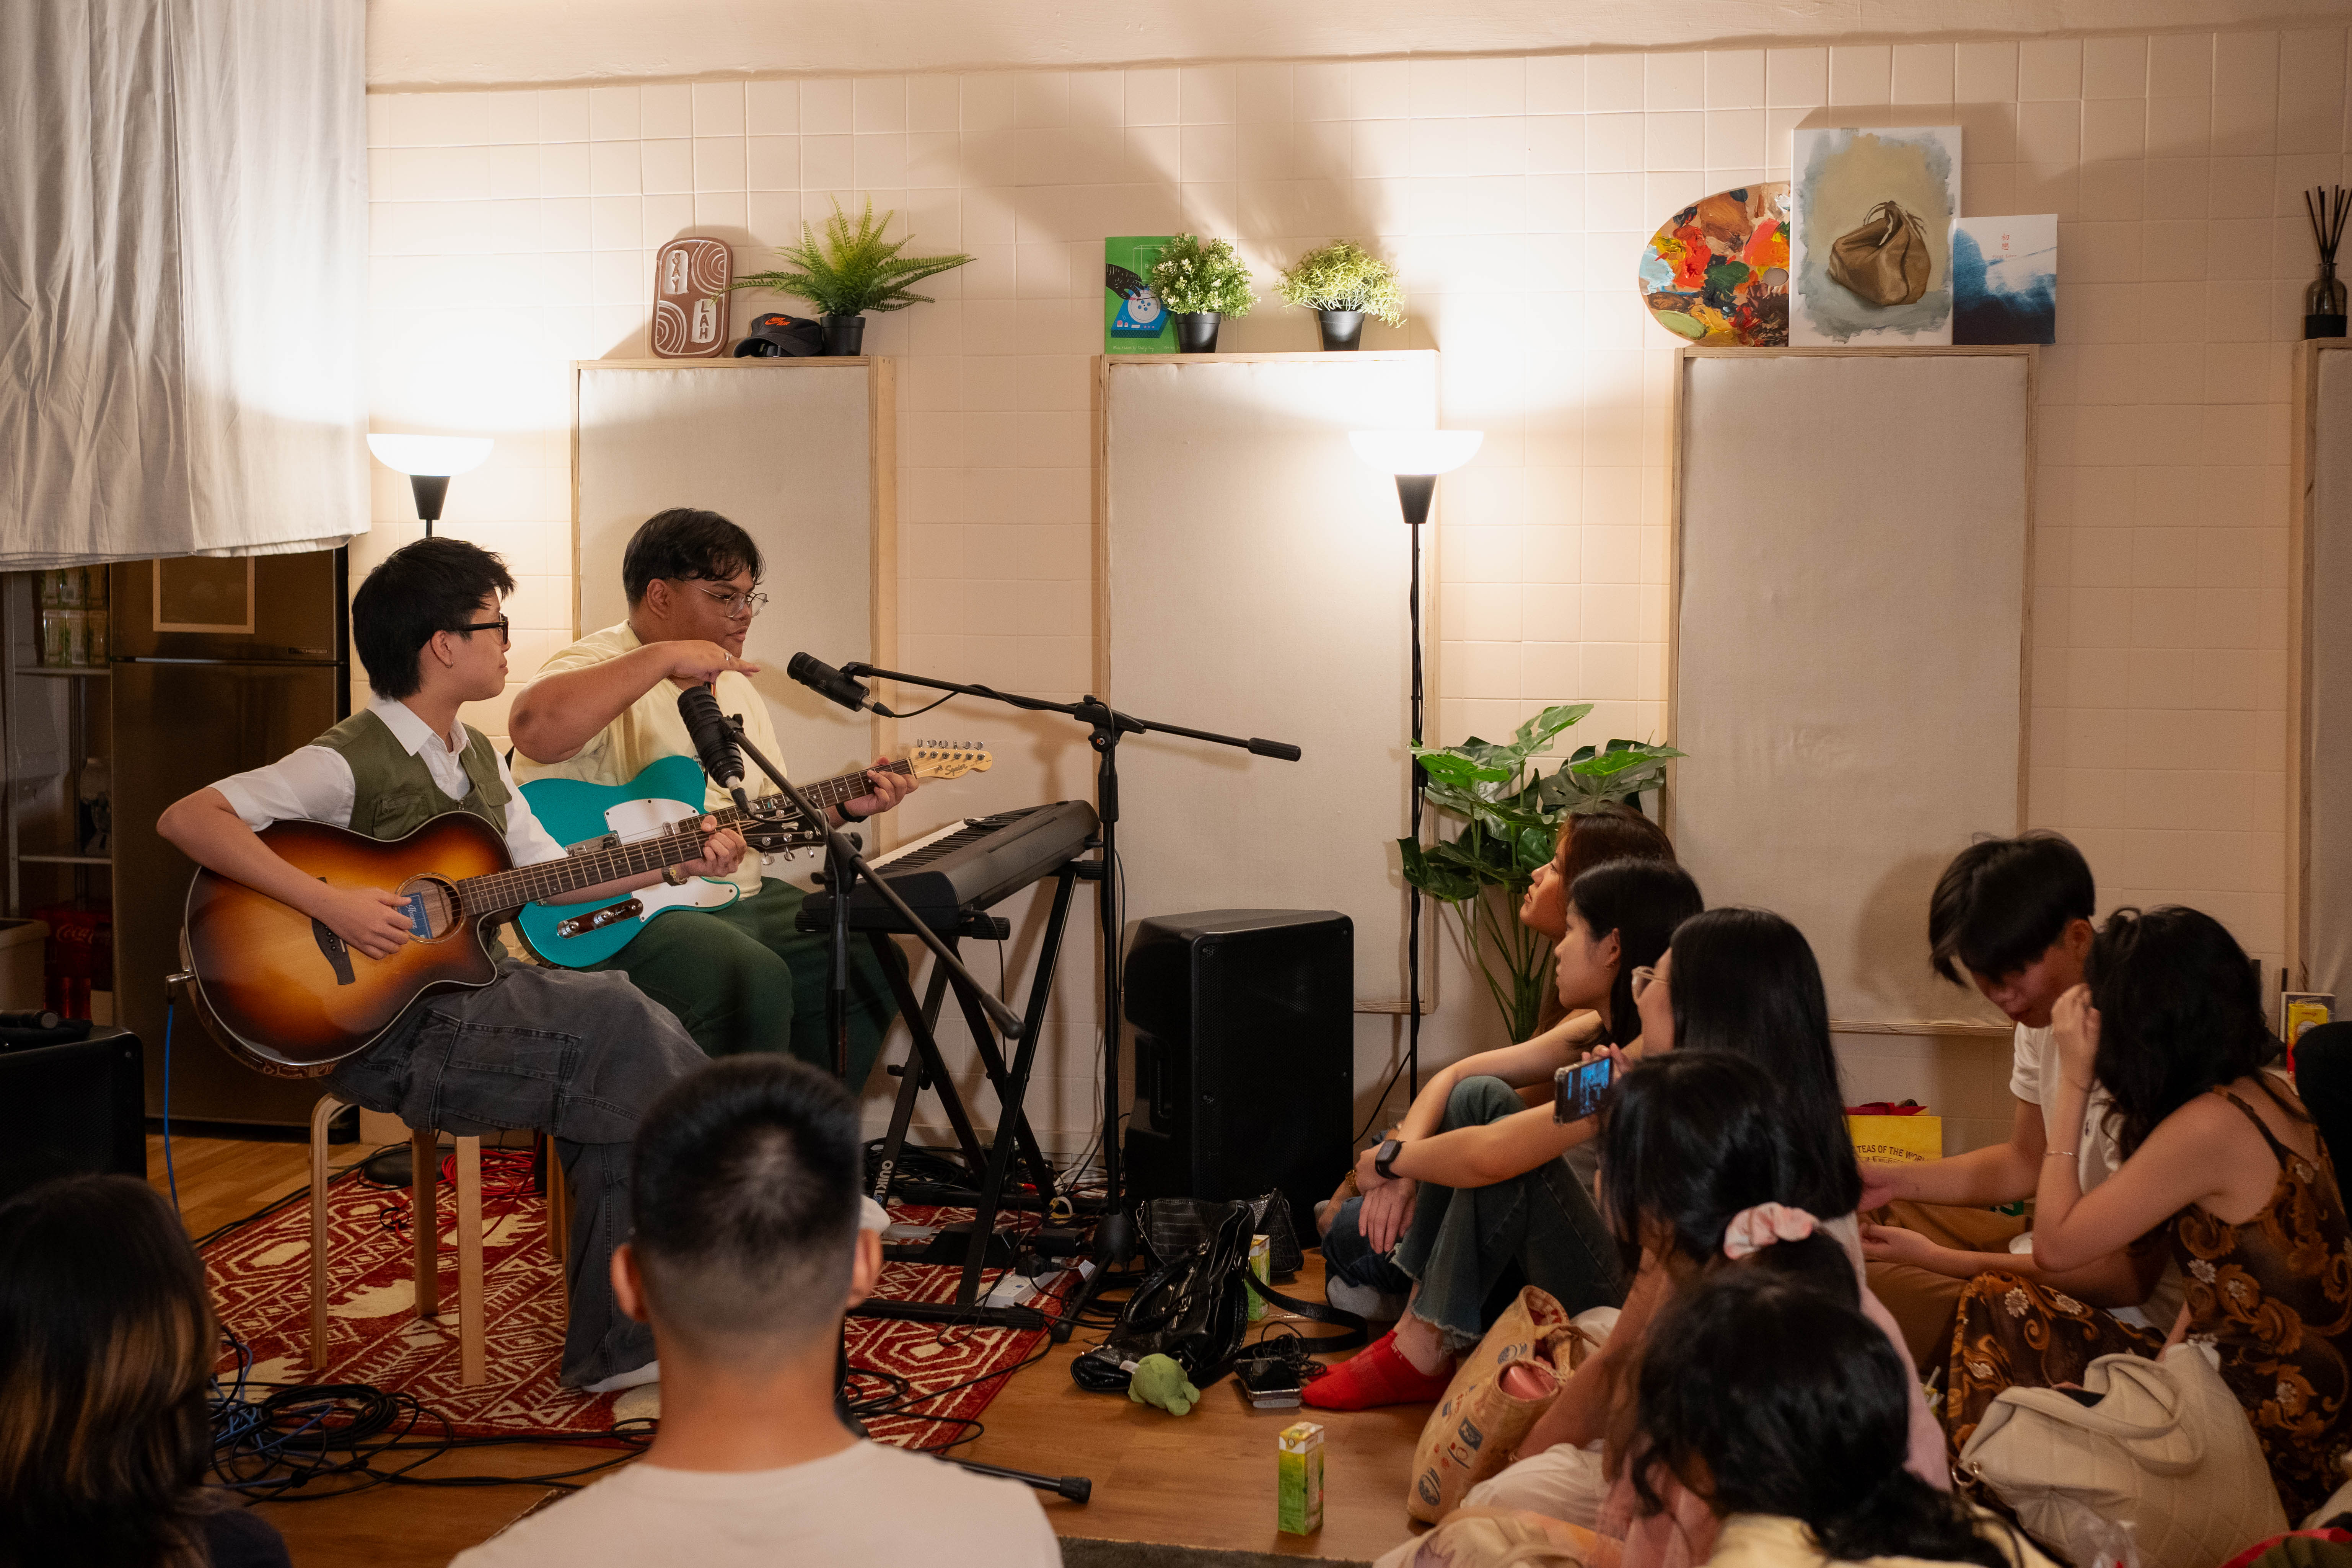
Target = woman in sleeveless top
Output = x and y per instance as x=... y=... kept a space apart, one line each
x=2222 y=1165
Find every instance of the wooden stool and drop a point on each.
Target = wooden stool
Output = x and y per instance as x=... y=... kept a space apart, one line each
x=425 y=1161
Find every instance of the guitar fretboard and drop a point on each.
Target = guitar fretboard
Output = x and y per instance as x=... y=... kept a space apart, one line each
x=674 y=846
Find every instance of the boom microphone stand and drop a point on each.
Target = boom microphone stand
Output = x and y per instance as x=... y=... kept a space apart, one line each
x=1114 y=1237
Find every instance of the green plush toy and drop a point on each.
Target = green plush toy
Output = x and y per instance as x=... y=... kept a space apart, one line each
x=1158 y=1380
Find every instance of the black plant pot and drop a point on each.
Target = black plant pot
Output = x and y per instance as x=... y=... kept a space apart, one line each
x=844 y=335
x=1343 y=331
x=1196 y=331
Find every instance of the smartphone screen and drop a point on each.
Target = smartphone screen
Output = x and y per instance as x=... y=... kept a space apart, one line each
x=1577 y=1091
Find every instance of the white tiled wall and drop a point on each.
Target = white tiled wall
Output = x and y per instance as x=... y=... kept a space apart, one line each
x=513 y=232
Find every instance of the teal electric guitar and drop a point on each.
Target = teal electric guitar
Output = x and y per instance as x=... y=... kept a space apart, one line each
x=592 y=817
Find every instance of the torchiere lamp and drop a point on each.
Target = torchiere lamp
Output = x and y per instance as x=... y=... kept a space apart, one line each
x=1416 y=457
x=430 y=462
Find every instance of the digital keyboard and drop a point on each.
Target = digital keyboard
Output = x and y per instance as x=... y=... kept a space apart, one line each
x=951 y=875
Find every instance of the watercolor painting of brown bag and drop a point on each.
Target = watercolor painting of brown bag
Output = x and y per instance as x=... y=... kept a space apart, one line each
x=1497 y=1392
x=1884 y=259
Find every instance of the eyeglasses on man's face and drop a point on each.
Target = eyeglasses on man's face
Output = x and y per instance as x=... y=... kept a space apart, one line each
x=734 y=606
x=502 y=626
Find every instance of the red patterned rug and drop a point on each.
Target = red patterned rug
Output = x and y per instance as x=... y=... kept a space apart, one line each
x=261 y=1277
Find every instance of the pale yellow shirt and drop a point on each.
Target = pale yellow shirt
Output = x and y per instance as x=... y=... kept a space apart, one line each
x=650 y=729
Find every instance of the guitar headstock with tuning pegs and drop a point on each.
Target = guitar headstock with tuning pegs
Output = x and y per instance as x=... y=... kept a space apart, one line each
x=947 y=759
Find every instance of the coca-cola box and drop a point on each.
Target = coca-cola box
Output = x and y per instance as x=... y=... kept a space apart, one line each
x=79 y=957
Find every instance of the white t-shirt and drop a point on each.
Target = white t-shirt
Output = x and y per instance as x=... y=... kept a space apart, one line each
x=2035 y=1078
x=869 y=1506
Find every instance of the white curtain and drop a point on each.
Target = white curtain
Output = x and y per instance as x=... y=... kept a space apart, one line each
x=183 y=278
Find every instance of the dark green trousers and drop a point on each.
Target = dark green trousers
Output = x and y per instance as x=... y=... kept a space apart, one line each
x=742 y=978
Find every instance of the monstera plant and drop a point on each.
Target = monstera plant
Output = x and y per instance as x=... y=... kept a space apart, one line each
x=1511 y=810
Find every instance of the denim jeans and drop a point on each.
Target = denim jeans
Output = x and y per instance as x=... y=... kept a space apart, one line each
x=580 y=1057
x=1462 y=1238
x=1347 y=1256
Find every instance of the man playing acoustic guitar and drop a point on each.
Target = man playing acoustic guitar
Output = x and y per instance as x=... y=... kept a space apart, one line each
x=742 y=977
x=578 y=1056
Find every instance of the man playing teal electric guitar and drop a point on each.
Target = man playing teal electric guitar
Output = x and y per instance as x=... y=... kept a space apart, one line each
x=724 y=957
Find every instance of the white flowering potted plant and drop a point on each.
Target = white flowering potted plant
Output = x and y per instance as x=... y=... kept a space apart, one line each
x=1342 y=283
x=1200 y=282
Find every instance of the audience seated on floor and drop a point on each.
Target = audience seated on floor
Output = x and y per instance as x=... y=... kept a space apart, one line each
x=1473 y=1184
x=107 y=1348
x=1691 y=1141
x=1365 y=1281
x=1783 y=1412
x=2219 y=1160
x=746 y=1254
x=2015 y=913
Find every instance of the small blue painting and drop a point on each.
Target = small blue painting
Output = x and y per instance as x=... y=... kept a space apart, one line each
x=2005 y=279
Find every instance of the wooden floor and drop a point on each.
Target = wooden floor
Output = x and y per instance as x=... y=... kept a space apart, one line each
x=1202 y=1480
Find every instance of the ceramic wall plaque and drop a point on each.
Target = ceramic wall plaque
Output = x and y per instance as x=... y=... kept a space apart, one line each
x=690 y=279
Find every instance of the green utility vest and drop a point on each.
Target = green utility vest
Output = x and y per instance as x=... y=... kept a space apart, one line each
x=393 y=794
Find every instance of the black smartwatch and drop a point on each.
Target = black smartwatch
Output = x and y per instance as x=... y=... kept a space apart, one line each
x=1385 y=1155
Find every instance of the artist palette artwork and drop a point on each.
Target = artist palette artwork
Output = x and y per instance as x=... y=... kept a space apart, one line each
x=1717 y=271
x=690 y=281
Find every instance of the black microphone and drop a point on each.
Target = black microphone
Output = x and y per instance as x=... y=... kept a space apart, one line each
x=827 y=682
x=712 y=742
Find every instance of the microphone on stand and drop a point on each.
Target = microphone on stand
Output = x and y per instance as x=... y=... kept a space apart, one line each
x=713 y=745
x=828 y=682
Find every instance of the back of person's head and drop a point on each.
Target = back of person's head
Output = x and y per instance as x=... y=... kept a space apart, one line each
x=1643 y=903
x=106 y=1352
x=2002 y=901
x=433 y=585
x=1691 y=1138
x=745 y=1191
x=1745 y=981
x=1610 y=832
x=2180 y=1012
x=686 y=545
x=1781 y=1398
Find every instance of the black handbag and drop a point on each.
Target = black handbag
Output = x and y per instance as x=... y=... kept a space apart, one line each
x=1170 y=1227
x=1194 y=1305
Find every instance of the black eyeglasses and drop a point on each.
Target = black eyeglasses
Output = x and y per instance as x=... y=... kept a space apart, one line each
x=501 y=625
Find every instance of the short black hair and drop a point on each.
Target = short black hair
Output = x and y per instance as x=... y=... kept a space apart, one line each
x=1745 y=981
x=1691 y=1138
x=745 y=1189
x=433 y=585
x=2002 y=901
x=2180 y=1012
x=688 y=543
x=1642 y=901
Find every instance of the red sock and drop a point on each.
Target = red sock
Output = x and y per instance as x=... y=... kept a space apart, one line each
x=1377 y=1374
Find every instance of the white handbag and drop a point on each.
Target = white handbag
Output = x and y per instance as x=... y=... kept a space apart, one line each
x=2167 y=1450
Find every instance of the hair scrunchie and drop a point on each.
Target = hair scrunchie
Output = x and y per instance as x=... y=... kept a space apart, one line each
x=1752 y=1230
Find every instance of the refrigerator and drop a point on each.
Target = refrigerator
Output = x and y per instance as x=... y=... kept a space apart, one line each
x=217 y=664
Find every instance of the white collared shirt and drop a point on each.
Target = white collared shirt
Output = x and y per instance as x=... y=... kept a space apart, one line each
x=314 y=783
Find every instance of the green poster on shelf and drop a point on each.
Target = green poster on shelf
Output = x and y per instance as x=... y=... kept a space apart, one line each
x=1134 y=321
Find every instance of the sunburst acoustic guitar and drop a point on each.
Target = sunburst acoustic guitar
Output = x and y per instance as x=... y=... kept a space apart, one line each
x=287 y=996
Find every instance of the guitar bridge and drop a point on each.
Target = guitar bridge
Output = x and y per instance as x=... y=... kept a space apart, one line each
x=597 y=920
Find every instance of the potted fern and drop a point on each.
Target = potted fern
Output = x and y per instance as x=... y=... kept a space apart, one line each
x=1201 y=282
x=1342 y=283
x=1511 y=813
x=850 y=270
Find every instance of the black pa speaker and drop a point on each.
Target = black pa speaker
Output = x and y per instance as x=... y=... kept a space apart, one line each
x=1245 y=1056
x=71 y=1110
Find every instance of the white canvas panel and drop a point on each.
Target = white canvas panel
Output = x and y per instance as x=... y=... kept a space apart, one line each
x=2327 y=684
x=1849 y=633
x=1257 y=581
x=785 y=451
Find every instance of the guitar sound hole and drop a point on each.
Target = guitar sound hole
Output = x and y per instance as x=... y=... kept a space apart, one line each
x=433 y=903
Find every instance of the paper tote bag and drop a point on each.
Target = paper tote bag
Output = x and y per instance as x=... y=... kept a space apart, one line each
x=1471 y=1434
x=2167 y=1447
x=1884 y=260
